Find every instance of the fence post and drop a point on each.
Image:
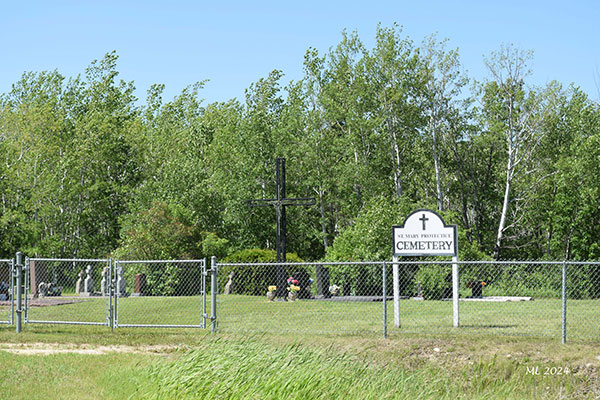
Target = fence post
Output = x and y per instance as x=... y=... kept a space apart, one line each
x=455 y=292
x=396 y=283
x=19 y=290
x=564 y=302
x=213 y=294
x=384 y=301
x=111 y=291
x=26 y=276
x=203 y=288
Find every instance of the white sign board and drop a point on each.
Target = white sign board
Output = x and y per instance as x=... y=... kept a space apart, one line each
x=424 y=233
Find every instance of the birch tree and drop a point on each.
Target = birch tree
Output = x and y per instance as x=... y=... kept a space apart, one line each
x=518 y=115
x=440 y=103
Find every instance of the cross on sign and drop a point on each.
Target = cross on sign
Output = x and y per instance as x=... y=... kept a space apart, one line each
x=423 y=219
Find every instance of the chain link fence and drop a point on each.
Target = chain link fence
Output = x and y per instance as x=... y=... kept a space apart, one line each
x=68 y=291
x=7 y=305
x=552 y=299
x=160 y=293
x=495 y=298
x=301 y=297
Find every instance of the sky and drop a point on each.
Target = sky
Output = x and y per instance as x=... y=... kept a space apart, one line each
x=234 y=43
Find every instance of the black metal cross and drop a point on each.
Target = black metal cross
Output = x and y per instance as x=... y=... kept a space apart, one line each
x=423 y=218
x=280 y=202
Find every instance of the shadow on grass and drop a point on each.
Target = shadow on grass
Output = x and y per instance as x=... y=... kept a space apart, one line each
x=489 y=326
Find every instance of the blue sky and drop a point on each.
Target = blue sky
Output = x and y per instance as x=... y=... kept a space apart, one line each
x=234 y=43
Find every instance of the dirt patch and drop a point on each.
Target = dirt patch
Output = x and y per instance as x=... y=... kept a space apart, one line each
x=45 y=349
x=48 y=301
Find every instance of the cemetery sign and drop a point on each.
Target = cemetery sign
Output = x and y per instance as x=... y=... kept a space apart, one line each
x=424 y=233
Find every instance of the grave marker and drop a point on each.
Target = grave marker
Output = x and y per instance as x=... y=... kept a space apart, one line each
x=280 y=202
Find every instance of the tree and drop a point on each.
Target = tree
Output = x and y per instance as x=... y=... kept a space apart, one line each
x=518 y=115
x=441 y=106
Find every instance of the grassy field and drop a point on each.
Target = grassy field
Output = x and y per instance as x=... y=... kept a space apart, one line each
x=192 y=364
x=304 y=350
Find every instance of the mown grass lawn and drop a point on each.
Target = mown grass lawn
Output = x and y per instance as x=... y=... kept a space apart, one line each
x=237 y=313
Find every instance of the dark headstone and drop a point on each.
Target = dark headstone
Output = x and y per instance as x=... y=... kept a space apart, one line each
x=304 y=282
x=346 y=289
x=140 y=284
x=476 y=288
x=447 y=291
x=323 y=281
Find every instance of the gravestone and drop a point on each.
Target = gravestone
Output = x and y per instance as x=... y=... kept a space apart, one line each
x=139 y=285
x=37 y=275
x=447 y=289
x=4 y=291
x=104 y=283
x=323 y=281
x=79 y=283
x=304 y=282
x=419 y=290
x=346 y=289
x=280 y=203
x=42 y=289
x=121 y=284
x=476 y=288
x=229 y=284
x=88 y=284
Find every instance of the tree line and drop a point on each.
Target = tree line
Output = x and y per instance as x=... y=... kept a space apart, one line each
x=371 y=133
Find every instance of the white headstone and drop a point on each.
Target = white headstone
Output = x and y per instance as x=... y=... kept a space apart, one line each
x=104 y=284
x=79 y=284
x=88 y=286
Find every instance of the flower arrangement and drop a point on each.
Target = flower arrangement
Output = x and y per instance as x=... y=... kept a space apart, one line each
x=271 y=292
x=293 y=288
x=334 y=290
x=293 y=284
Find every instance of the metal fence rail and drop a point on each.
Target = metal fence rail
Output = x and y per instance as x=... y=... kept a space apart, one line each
x=68 y=291
x=7 y=304
x=160 y=294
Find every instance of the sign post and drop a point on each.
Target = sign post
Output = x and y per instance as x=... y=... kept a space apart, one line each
x=424 y=233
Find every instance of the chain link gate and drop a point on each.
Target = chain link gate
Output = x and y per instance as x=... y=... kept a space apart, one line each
x=160 y=293
x=7 y=286
x=65 y=291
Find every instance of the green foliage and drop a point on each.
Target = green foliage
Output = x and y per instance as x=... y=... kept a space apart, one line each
x=212 y=245
x=254 y=279
x=165 y=232
x=371 y=133
x=433 y=279
x=259 y=256
x=162 y=232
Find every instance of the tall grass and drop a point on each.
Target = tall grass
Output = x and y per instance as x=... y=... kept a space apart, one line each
x=254 y=369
